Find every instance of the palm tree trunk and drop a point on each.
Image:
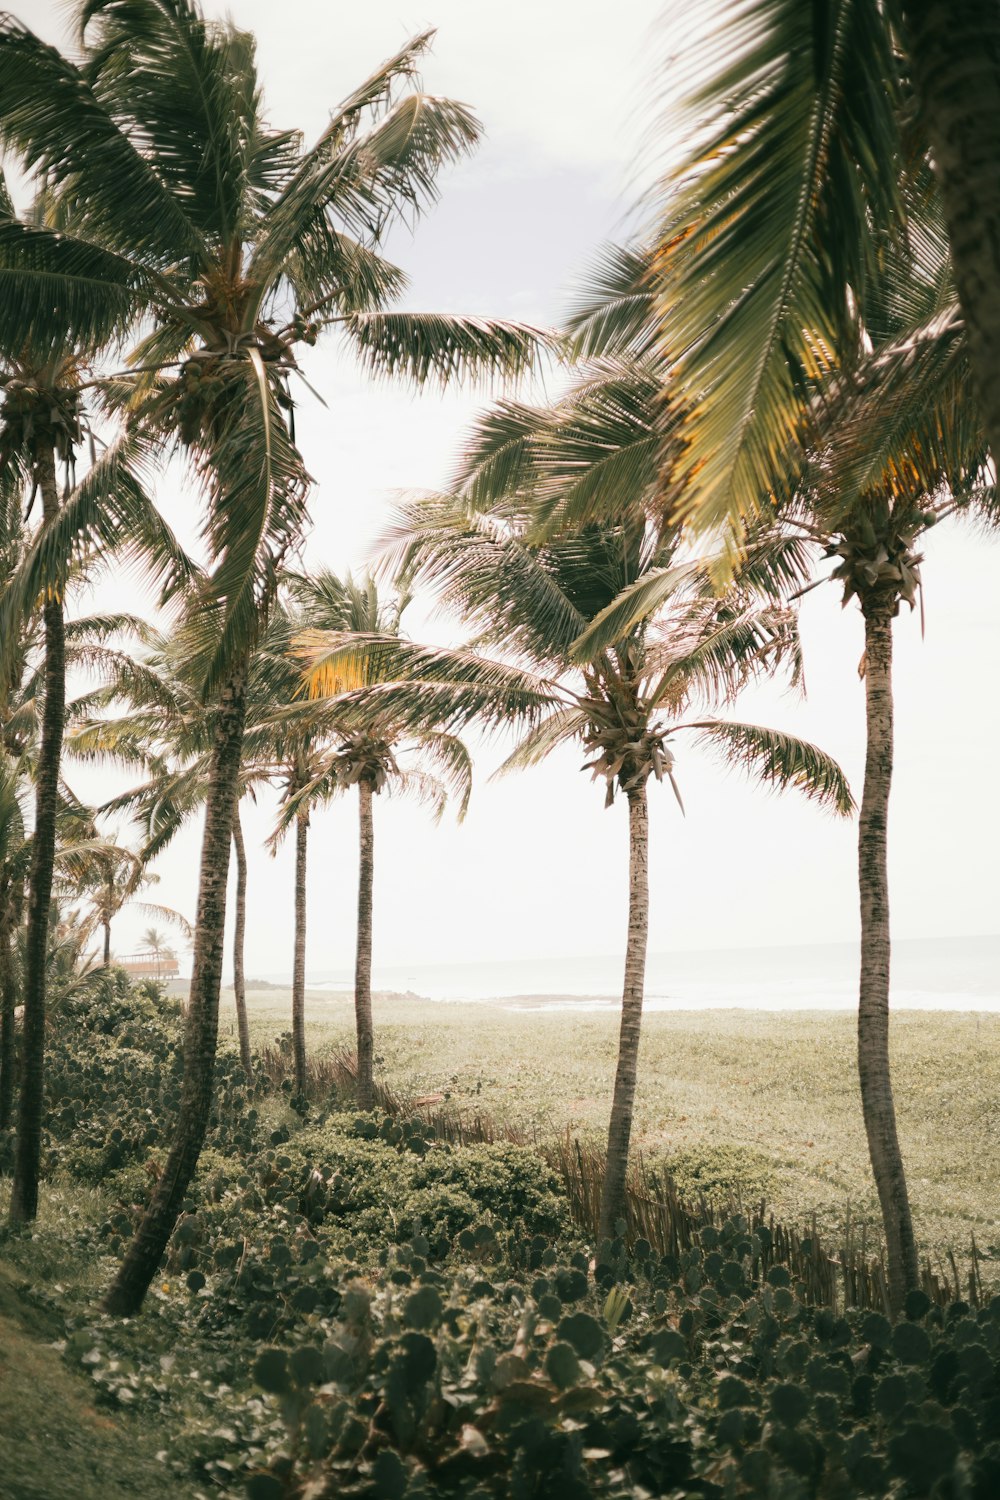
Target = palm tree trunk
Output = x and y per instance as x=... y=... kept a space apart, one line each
x=873 y=1001
x=201 y=1030
x=239 y=944
x=27 y=1155
x=8 y=998
x=622 y=1104
x=954 y=47
x=363 y=961
x=299 y=962
x=107 y=944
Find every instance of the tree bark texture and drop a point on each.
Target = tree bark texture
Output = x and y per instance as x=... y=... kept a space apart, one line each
x=299 y=959
x=954 y=48
x=8 y=1002
x=31 y=1102
x=873 y=1000
x=623 y=1101
x=239 y=945
x=201 y=1028
x=107 y=944
x=363 y=962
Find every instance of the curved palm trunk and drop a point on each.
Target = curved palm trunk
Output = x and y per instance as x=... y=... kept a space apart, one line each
x=239 y=944
x=24 y=1194
x=873 y=1001
x=201 y=1030
x=8 y=998
x=299 y=964
x=363 y=961
x=623 y=1101
x=954 y=47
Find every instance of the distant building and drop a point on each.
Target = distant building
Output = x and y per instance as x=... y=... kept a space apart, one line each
x=150 y=965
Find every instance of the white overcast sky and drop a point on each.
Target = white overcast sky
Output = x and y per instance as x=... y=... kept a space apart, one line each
x=566 y=90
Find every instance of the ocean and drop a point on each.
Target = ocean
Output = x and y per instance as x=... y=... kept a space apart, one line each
x=958 y=974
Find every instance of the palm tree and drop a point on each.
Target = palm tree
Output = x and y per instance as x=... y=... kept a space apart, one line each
x=40 y=427
x=623 y=702
x=385 y=753
x=41 y=423
x=237 y=246
x=165 y=734
x=155 y=942
x=887 y=449
x=291 y=749
x=14 y=857
x=111 y=877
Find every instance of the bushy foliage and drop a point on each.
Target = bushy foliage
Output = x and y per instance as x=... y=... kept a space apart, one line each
x=350 y=1306
x=113 y=1084
x=681 y=1376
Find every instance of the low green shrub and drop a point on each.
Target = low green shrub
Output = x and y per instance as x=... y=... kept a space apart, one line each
x=721 y=1175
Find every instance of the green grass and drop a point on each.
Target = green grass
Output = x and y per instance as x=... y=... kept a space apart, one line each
x=765 y=1102
x=55 y=1443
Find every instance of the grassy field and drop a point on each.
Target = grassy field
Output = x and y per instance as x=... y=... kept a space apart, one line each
x=763 y=1102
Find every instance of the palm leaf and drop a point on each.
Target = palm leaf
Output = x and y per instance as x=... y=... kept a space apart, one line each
x=51 y=117
x=560 y=727
x=778 y=760
x=57 y=290
x=613 y=313
x=638 y=601
x=441 y=347
x=769 y=224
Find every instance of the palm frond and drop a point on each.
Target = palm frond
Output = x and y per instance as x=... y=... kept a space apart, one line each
x=422 y=787
x=451 y=757
x=779 y=760
x=560 y=727
x=638 y=601
x=481 y=565
x=907 y=423
x=770 y=225
x=605 y=454
x=58 y=291
x=358 y=179
x=164 y=914
x=441 y=347
x=257 y=507
x=187 y=89
x=52 y=118
x=613 y=314
x=497 y=464
x=110 y=510
x=713 y=652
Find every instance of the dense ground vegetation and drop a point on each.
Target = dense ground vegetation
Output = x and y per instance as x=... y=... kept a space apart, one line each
x=350 y=1305
x=756 y=1104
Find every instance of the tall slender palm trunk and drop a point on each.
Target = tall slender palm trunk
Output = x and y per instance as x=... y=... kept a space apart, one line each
x=27 y=1155
x=201 y=1030
x=239 y=944
x=299 y=962
x=873 y=1000
x=8 y=998
x=363 y=961
x=954 y=46
x=107 y=944
x=623 y=1101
